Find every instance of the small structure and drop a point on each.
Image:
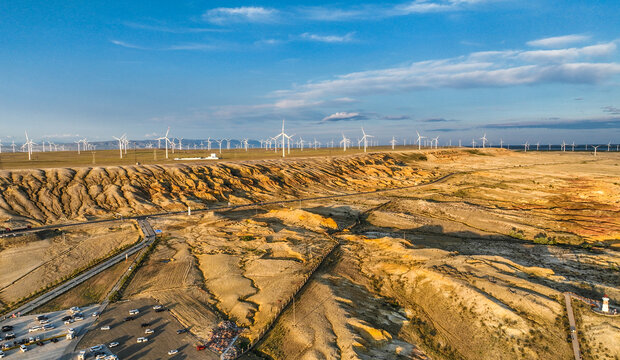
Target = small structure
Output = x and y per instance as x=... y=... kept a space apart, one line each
x=605 y=306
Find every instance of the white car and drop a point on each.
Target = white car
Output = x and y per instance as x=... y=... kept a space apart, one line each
x=43 y=321
x=1 y=354
x=95 y=348
x=142 y=339
x=173 y=351
x=78 y=318
x=149 y=331
x=23 y=348
x=68 y=322
x=70 y=330
x=113 y=344
x=111 y=357
x=107 y=327
x=34 y=329
x=95 y=314
x=134 y=312
x=100 y=357
x=157 y=307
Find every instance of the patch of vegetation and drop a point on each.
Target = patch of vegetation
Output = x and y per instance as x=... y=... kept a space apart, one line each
x=478 y=152
x=460 y=193
x=412 y=157
x=246 y=238
x=517 y=234
x=543 y=239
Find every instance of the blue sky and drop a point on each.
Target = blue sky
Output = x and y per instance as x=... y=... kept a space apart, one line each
x=536 y=70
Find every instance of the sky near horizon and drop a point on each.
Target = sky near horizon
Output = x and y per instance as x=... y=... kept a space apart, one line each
x=520 y=70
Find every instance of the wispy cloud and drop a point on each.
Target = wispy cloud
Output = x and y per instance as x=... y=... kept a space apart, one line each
x=564 y=124
x=430 y=6
x=482 y=69
x=328 y=38
x=173 y=30
x=437 y=120
x=559 y=41
x=344 y=116
x=173 y=47
x=611 y=110
x=127 y=45
x=255 y=14
x=396 y=117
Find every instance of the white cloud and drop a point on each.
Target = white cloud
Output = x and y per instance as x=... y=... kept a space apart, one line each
x=430 y=6
x=240 y=14
x=126 y=45
x=339 y=116
x=481 y=69
x=558 y=41
x=328 y=38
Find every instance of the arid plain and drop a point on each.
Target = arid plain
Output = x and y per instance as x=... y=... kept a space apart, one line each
x=442 y=254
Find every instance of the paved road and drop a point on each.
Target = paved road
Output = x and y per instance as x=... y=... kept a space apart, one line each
x=80 y=278
x=573 y=328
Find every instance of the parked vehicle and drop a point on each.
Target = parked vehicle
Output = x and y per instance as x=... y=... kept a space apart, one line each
x=142 y=339
x=148 y=331
x=95 y=348
x=6 y=328
x=134 y=312
x=200 y=347
x=181 y=331
x=107 y=327
x=173 y=351
x=113 y=344
x=23 y=348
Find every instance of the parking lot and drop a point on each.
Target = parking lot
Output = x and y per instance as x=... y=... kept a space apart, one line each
x=56 y=329
x=126 y=333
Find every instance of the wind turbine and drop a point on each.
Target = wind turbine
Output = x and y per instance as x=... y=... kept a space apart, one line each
x=13 y=145
x=219 y=142
x=28 y=145
x=436 y=140
x=501 y=143
x=393 y=142
x=563 y=145
x=573 y=149
x=344 y=142
x=483 y=138
x=166 y=140
x=608 y=146
x=473 y=143
x=595 y=147
x=538 y=145
x=364 y=139
x=120 y=143
x=209 y=144
x=420 y=140
x=284 y=137
x=526 y=146
x=78 y=145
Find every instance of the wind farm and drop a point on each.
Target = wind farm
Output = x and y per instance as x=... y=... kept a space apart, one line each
x=406 y=180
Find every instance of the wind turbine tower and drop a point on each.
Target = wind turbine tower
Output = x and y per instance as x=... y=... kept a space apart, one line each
x=420 y=140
